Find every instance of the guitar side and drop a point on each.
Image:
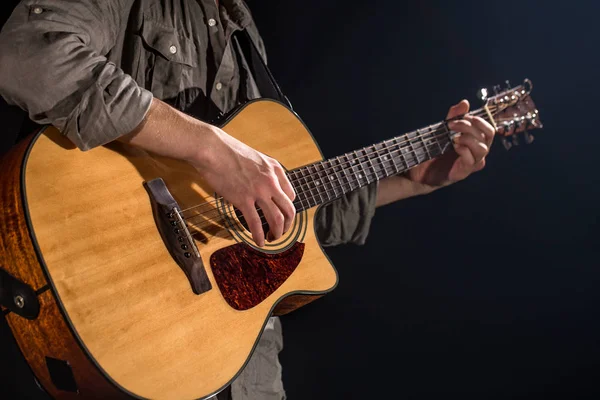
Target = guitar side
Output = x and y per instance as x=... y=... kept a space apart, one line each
x=117 y=307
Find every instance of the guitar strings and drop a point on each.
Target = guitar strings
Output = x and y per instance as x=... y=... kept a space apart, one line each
x=219 y=218
x=294 y=179
x=350 y=167
x=348 y=163
x=332 y=189
x=208 y=221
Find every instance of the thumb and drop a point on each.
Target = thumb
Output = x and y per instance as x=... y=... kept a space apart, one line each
x=458 y=109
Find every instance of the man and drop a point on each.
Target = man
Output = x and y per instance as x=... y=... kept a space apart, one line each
x=133 y=70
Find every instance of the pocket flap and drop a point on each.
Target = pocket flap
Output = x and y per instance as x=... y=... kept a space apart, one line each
x=169 y=43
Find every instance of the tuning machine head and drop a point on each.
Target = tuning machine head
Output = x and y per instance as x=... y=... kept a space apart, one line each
x=482 y=94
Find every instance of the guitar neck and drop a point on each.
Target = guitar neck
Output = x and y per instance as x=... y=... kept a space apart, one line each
x=325 y=181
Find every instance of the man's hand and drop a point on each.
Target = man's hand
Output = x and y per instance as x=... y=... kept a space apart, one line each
x=243 y=176
x=249 y=179
x=471 y=148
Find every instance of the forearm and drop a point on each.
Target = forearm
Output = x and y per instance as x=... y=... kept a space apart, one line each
x=398 y=187
x=168 y=132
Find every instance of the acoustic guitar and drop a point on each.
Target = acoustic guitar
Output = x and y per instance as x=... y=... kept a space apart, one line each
x=125 y=276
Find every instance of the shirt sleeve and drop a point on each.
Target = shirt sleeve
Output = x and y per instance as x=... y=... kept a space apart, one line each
x=348 y=219
x=53 y=65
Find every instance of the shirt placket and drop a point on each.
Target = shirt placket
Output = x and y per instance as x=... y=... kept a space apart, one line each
x=221 y=49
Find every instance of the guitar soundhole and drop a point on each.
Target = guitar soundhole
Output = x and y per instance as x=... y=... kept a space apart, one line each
x=242 y=220
x=246 y=276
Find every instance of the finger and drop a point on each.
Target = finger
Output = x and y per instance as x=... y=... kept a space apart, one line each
x=274 y=218
x=465 y=126
x=287 y=209
x=480 y=165
x=476 y=150
x=254 y=223
x=285 y=184
x=458 y=109
x=484 y=127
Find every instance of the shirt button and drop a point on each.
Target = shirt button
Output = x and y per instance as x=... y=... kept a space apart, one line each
x=37 y=10
x=173 y=49
x=212 y=22
x=219 y=86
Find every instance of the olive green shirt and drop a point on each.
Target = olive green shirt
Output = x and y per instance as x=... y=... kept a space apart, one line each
x=91 y=68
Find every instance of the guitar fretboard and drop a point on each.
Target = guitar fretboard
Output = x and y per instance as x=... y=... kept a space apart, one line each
x=325 y=181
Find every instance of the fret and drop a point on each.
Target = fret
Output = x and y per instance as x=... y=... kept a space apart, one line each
x=316 y=185
x=374 y=153
x=425 y=145
x=357 y=169
x=340 y=180
x=382 y=168
x=417 y=149
x=410 y=161
x=381 y=154
x=322 y=172
x=305 y=188
x=296 y=184
x=400 y=151
x=412 y=148
x=346 y=171
x=435 y=137
x=363 y=172
x=389 y=156
x=331 y=178
x=445 y=138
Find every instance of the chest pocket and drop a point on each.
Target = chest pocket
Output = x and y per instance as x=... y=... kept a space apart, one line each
x=169 y=61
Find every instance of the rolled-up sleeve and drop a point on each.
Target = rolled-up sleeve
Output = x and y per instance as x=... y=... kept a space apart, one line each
x=348 y=219
x=53 y=65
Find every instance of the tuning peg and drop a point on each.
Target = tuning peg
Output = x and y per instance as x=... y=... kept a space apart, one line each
x=507 y=85
x=506 y=143
x=515 y=140
x=528 y=137
x=496 y=89
x=482 y=94
x=519 y=123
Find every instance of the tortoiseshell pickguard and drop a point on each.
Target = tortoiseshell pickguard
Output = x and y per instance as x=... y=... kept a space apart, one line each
x=246 y=276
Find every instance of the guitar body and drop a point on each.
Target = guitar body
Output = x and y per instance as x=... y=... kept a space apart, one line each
x=78 y=227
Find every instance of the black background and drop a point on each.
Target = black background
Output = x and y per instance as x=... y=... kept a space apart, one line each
x=487 y=289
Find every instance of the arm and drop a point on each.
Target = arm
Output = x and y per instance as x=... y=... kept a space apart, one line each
x=348 y=219
x=471 y=147
x=399 y=187
x=244 y=176
x=53 y=64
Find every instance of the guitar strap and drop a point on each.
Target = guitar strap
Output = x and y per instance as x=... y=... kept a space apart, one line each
x=253 y=71
x=266 y=83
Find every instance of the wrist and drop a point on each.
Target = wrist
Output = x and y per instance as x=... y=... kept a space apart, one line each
x=204 y=152
x=399 y=187
x=418 y=188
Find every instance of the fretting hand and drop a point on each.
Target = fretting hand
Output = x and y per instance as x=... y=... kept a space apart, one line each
x=471 y=148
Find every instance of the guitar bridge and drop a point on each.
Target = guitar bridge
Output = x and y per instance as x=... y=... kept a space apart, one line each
x=176 y=236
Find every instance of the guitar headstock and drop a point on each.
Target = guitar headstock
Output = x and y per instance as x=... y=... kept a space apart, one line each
x=513 y=112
